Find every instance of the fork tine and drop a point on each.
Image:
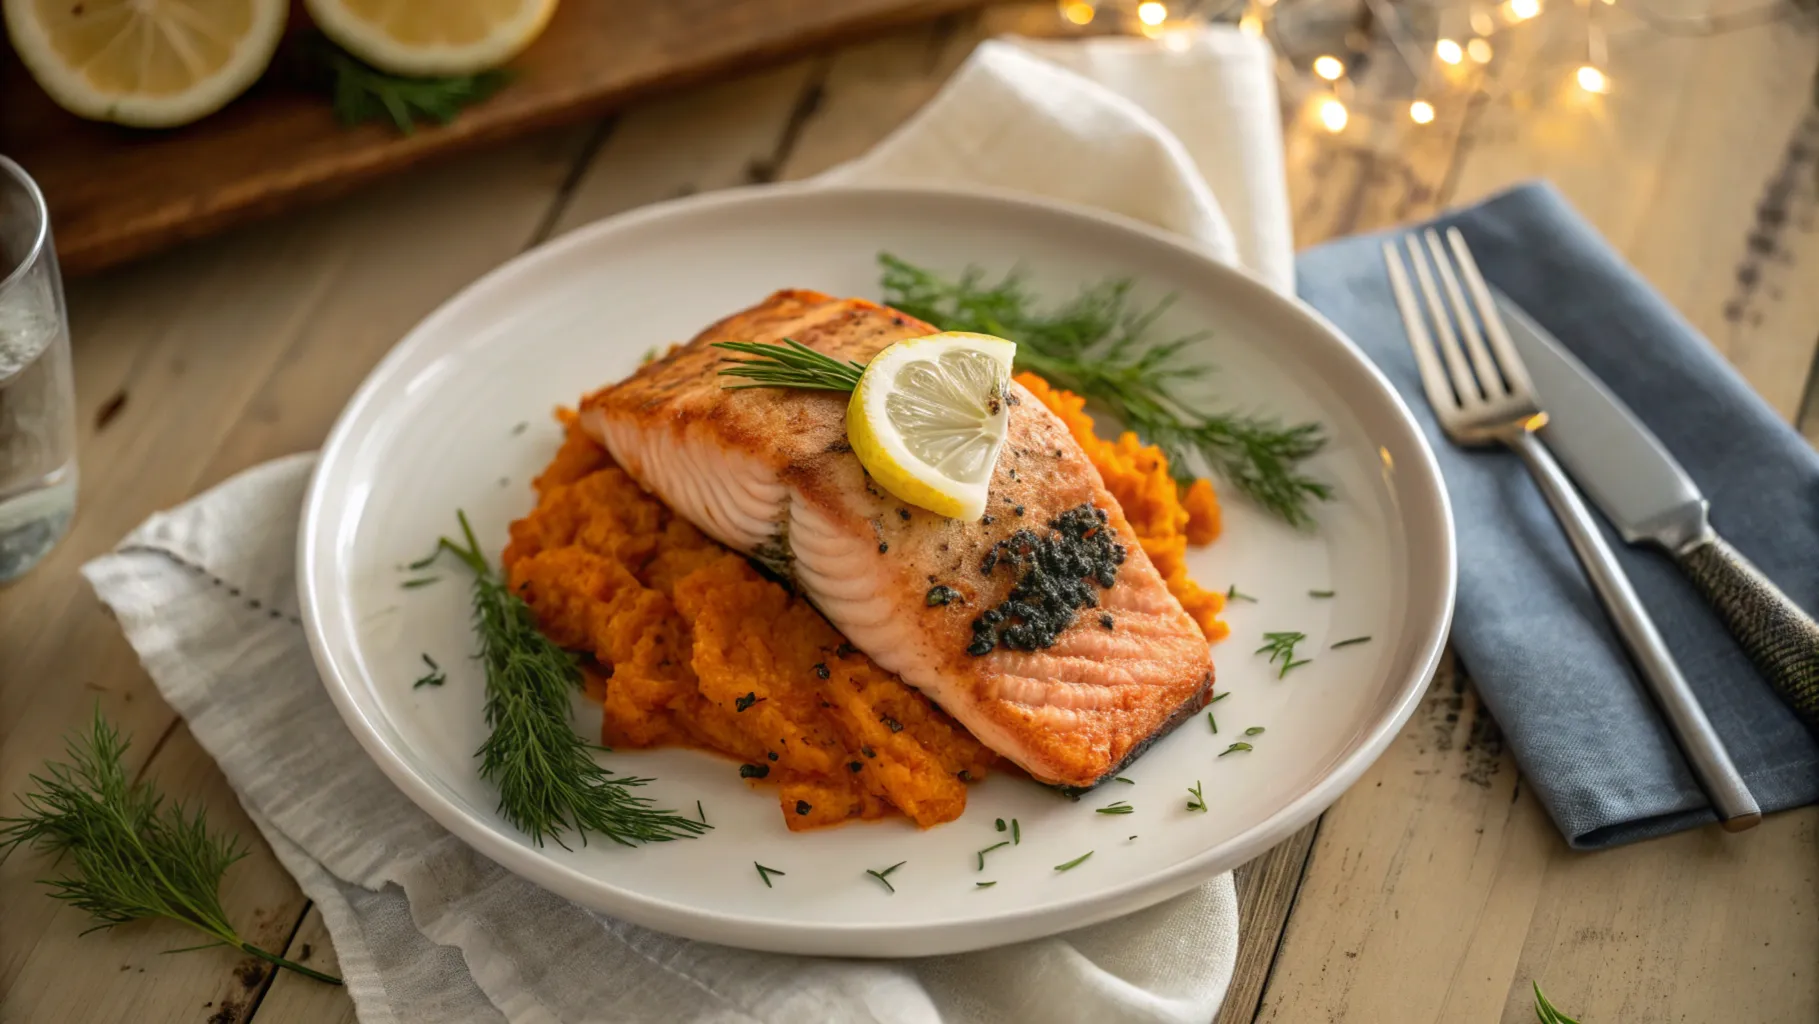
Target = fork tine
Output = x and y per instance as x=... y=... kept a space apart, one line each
x=1488 y=377
x=1433 y=375
x=1469 y=396
x=1514 y=372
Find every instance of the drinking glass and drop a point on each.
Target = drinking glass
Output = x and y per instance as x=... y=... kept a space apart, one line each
x=37 y=397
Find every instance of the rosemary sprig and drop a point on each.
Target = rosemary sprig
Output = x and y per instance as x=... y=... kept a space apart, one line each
x=131 y=857
x=364 y=93
x=1545 y=1012
x=1098 y=345
x=545 y=773
x=1281 y=648
x=789 y=365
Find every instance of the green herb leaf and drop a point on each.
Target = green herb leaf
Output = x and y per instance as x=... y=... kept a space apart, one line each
x=1098 y=345
x=789 y=365
x=1348 y=643
x=545 y=773
x=1281 y=647
x=1016 y=833
x=884 y=877
x=1120 y=778
x=1076 y=862
x=1118 y=808
x=423 y=582
x=1197 y=802
x=364 y=93
x=1322 y=594
x=1255 y=730
x=989 y=849
x=1545 y=1012
x=1236 y=748
x=129 y=856
x=1000 y=825
x=983 y=885
x=766 y=873
x=1232 y=594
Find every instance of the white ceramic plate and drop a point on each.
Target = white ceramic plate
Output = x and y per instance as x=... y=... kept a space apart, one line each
x=432 y=430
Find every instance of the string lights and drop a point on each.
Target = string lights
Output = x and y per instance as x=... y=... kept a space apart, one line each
x=1463 y=45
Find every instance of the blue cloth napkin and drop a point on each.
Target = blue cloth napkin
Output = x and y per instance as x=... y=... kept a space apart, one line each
x=1528 y=628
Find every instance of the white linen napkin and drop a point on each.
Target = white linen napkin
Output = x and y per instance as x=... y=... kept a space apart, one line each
x=426 y=929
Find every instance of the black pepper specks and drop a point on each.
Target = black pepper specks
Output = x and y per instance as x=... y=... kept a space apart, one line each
x=741 y=703
x=1018 y=509
x=821 y=671
x=987 y=520
x=868 y=751
x=891 y=723
x=1105 y=619
x=754 y=771
x=854 y=766
x=845 y=650
x=940 y=595
x=883 y=547
x=1055 y=577
x=803 y=807
x=772 y=754
x=903 y=514
x=965 y=776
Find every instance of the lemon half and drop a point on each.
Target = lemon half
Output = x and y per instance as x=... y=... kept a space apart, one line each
x=929 y=416
x=432 y=37
x=147 y=63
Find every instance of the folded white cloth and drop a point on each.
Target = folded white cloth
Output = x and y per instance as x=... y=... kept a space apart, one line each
x=426 y=929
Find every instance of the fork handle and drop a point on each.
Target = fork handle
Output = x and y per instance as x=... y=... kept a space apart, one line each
x=1778 y=636
x=1711 y=764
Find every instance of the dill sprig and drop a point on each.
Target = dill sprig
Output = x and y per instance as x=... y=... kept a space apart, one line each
x=364 y=93
x=131 y=857
x=1281 y=648
x=1076 y=862
x=1546 y=1012
x=545 y=773
x=884 y=876
x=1098 y=345
x=789 y=365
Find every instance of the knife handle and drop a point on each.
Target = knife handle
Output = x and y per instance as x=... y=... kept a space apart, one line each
x=1705 y=754
x=1778 y=636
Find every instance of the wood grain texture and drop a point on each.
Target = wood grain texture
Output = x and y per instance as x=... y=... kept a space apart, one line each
x=293 y=999
x=117 y=193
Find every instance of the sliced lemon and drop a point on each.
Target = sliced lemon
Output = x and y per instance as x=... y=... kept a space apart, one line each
x=147 y=63
x=432 y=37
x=929 y=416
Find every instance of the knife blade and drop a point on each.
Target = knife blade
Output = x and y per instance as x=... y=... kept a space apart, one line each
x=1630 y=476
x=1613 y=457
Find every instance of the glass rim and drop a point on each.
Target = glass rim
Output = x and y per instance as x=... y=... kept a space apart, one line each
x=32 y=255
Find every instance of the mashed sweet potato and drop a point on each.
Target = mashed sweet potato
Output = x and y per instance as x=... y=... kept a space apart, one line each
x=690 y=645
x=1165 y=517
x=687 y=644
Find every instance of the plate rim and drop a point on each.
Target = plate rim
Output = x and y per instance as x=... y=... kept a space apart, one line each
x=850 y=938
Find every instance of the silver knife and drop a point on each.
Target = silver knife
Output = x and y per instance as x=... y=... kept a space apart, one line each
x=1645 y=494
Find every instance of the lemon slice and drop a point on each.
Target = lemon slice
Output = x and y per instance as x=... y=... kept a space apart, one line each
x=929 y=416
x=147 y=63
x=432 y=37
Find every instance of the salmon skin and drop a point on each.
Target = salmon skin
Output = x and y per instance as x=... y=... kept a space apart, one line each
x=1041 y=626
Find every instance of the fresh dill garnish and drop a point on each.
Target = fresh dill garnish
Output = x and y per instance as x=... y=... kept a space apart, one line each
x=434 y=677
x=1236 y=748
x=700 y=812
x=885 y=875
x=1120 y=778
x=1348 y=643
x=545 y=773
x=423 y=581
x=789 y=365
x=1546 y=1012
x=984 y=885
x=1076 y=862
x=1121 y=807
x=1211 y=721
x=1232 y=594
x=364 y=93
x=1097 y=345
x=766 y=873
x=1016 y=833
x=1321 y=593
x=989 y=849
x=131 y=857
x=1255 y=730
x=1198 y=802
x=425 y=562
x=1281 y=647
x=1000 y=825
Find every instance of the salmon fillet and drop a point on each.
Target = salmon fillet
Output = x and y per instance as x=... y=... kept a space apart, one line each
x=1041 y=626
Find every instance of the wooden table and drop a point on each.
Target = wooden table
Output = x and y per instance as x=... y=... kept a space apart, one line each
x=1436 y=890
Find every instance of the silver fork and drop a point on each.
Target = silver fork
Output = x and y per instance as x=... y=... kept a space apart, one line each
x=1481 y=394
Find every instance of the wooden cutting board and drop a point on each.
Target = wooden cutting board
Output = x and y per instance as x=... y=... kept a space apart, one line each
x=118 y=193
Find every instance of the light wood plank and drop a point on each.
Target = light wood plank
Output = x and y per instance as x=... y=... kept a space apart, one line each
x=293 y=999
x=226 y=353
x=1267 y=888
